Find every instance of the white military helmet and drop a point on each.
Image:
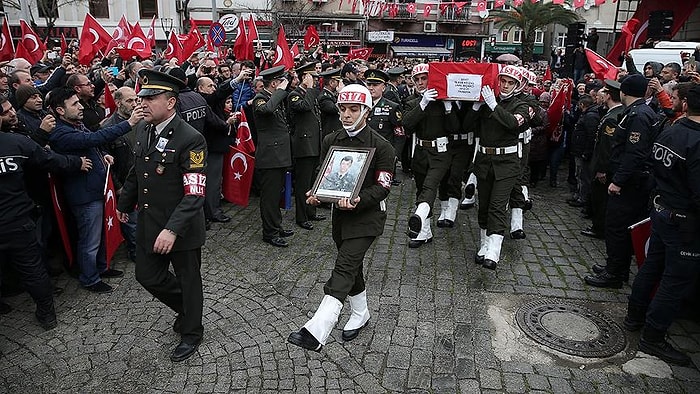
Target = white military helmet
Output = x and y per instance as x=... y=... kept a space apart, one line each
x=354 y=94
x=517 y=74
x=419 y=69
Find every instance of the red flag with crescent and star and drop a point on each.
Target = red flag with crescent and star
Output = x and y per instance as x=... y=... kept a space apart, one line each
x=64 y=45
x=311 y=38
x=110 y=105
x=7 y=49
x=174 y=48
x=244 y=140
x=283 y=56
x=112 y=230
x=58 y=205
x=240 y=46
x=237 y=176
x=32 y=43
x=360 y=53
x=93 y=39
x=600 y=66
x=640 y=232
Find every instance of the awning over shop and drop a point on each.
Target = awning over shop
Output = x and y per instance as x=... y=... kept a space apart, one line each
x=420 y=51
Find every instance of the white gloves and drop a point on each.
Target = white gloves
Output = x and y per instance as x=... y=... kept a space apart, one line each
x=448 y=106
x=428 y=96
x=477 y=105
x=489 y=97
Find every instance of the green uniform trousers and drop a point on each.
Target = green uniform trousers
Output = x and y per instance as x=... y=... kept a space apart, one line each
x=271 y=184
x=429 y=167
x=493 y=201
x=347 y=277
x=517 y=198
x=304 y=177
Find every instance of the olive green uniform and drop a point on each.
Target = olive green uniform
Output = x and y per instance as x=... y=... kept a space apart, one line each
x=497 y=165
x=330 y=117
x=273 y=156
x=518 y=197
x=385 y=118
x=355 y=230
x=163 y=164
x=306 y=146
x=461 y=151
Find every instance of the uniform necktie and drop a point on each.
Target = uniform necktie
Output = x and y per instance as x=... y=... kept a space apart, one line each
x=151 y=134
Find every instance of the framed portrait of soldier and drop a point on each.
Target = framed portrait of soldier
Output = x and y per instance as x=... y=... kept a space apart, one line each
x=342 y=173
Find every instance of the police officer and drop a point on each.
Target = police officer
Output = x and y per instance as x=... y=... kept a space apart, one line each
x=273 y=155
x=18 y=240
x=601 y=160
x=385 y=116
x=673 y=257
x=356 y=224
x=430 y=123
x=497 y=164
x=330 y=119
x=306 y=141
x=168 y=182
x=629 y=182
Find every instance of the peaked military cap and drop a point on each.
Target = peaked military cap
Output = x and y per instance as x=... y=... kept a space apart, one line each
x=396 y=71
x=272 y=73
x=308 y=68
x=612 y=84
x=376 y=76
x=334 y=74
x=153 y=83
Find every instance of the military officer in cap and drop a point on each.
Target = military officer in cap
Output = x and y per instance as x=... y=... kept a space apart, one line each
x=168 y=183
x=330 y=118
x=385 y=116
x=391 y=92
x=274 y=153
x=305 y=124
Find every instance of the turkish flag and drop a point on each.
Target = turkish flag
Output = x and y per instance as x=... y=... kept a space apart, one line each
x=237 y=176
x=283 y=56
x=360 y=53
x=64 y=45
x=481 y=6
x=152 y=33
x=599 y=2
x=93 y=39
x=501 y=3
x=602 y=68
x=480 y=74
x=58 y=204
x=295 y=50
x=393 y=10
x=244 y=140
x=252 y=36
x=191 y=41
x=122 y=31
x=517 y=3
x=558 y=1
x=112 y=231
x=311 y=38
x=32 y=43
x=640 y=233
x=23 y=53
x=110 y=105
x=240 y=46
x=7 y=48
x=137 y=45
x=427 y=8
x=547 y=74
x=560 y=101
x=411 y=8
x=174 y=48
x=579 y=3
x=629 y=29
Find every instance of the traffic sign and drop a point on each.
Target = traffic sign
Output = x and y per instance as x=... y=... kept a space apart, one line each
x=217 y=34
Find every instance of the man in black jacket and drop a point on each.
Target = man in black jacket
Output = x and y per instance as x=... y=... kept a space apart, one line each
x=582 y=145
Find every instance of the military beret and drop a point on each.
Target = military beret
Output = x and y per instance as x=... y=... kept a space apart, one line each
x=376 y=76
x=272 y=73
x=153 y=83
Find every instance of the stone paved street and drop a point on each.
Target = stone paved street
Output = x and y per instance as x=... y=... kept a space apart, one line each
x=440 y=324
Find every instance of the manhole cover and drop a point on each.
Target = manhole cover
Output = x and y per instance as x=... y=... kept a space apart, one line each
x=570 y=328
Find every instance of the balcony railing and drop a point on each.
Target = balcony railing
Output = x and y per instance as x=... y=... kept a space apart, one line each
x=446 y=12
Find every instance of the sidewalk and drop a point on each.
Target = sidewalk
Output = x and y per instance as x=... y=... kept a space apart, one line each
x=439 y=323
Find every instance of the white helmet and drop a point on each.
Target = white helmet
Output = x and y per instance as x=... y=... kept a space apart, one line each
x=354 y=94
x=530 y=76
x=517 y=74
x=419 y=69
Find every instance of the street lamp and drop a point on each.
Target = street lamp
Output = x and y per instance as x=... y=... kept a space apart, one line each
x=167 y=25
x=327 y=30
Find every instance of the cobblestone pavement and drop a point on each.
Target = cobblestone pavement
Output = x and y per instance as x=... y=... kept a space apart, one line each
x=440 y=324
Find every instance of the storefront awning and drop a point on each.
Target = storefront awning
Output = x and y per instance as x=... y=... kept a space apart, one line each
x=420 y=51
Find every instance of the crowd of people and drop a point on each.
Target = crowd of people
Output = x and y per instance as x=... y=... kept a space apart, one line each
x=174 y=122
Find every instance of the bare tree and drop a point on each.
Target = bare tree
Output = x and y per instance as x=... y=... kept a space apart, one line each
x=47 y=9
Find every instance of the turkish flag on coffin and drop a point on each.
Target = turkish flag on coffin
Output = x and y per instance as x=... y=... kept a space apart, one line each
x=237 y=176
x=462 y=81
x=112 y=230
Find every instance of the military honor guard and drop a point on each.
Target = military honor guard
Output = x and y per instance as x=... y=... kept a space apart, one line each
x=305 y=127
x=357 y=222
x=273 y=155
x=168 y=182
x=497 y=163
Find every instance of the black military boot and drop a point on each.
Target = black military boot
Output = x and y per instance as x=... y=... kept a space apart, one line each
x=636 y=316
x=653 y=342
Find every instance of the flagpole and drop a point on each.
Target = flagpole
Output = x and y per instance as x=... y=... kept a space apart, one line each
x=106 y=179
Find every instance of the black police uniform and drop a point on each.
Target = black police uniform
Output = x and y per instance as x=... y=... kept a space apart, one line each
x=168 y=182
x=630 y=147
x=18 y=240
x=273 y=155
x=355 y=230
x=305 y=127
x=673 y=256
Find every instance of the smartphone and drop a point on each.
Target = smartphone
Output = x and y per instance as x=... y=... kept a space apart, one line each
x=113 y=70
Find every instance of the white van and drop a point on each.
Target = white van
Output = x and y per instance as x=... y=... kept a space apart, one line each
x=664 y=52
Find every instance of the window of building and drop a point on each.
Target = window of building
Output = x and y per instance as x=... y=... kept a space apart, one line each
x=539 y=37
x=48 y=9
x=561 y=40
x=99 y=8
x=504 y=36
x=518 y=36
x=148 y=8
